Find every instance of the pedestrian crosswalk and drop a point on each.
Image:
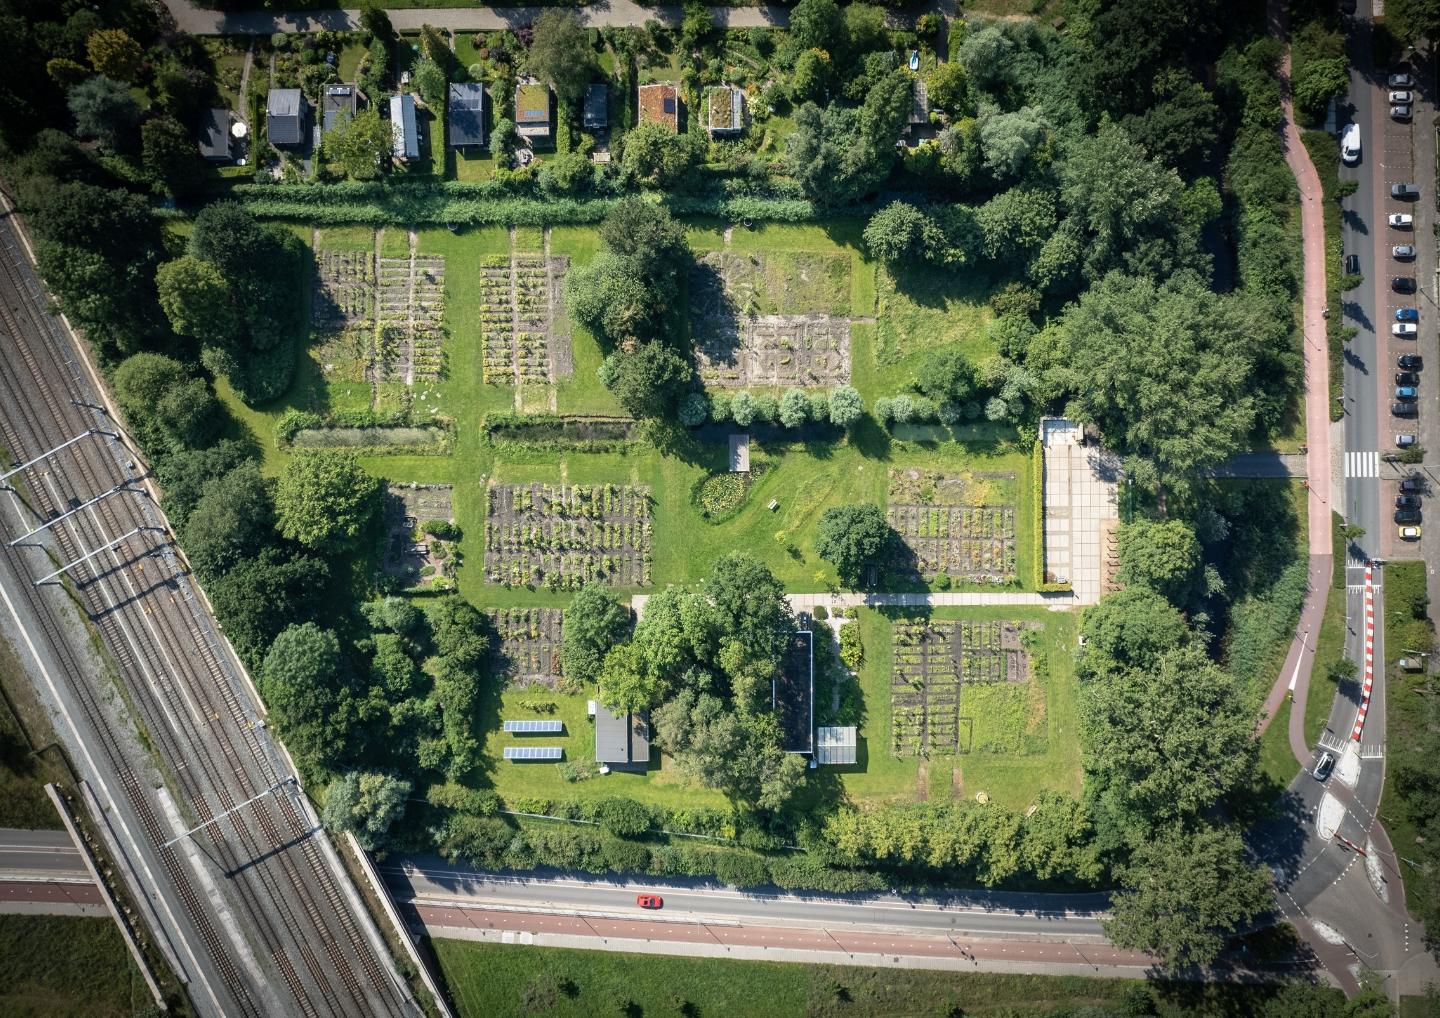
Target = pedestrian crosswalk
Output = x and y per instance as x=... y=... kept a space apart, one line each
x=1362 y=464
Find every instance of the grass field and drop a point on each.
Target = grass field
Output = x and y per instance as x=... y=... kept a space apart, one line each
x=62 y=966
x=500 y=981
x=1012 y=780
x=23 y=802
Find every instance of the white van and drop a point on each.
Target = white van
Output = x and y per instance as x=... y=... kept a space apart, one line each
x=1350 y=144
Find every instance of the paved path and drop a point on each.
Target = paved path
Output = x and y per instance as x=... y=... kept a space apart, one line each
x=1265 y=464
x=51 y=897
x=612 y=13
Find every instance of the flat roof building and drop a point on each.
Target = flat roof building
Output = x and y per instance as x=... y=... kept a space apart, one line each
x=660 y=104
x=403 y=127
x=286 y=113
x=792 y=692
x=726 y=114
x=597 y=107
x=337 y=105
x=532 y=111
x=836 y=745
x=465 y=115
x=622 y=740
x=215 y=136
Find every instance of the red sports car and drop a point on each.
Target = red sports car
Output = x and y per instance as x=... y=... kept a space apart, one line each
x=649 y=901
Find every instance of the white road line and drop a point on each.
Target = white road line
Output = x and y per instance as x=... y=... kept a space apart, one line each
x=1362 y=464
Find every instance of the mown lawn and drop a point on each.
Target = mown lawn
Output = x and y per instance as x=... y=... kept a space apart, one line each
x=54 y=966
x=501 y=980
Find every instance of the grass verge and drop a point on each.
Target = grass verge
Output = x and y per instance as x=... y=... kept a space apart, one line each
x=54 y=966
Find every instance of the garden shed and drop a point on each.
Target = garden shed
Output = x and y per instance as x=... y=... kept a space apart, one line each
x=726 y=110
x=465 y=115
x=836 y=745
x=597 y=107
x=532 y=111
x=660 y=104
x=792 y=692
x=286 y=113
x=403 y=128
x=215 y=136
x=622 y=740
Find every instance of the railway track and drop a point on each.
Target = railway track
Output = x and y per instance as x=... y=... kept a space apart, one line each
x=183 y=688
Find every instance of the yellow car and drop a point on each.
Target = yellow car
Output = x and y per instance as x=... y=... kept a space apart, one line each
x=1409 y=533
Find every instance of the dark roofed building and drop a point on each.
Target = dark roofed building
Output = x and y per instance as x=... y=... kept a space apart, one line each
x=215 y=135
x=597 y=107
x=792 y=693
x=465 y=115
x=622 y=740
x=660 y=104
x=337 y=106
x=286 y=113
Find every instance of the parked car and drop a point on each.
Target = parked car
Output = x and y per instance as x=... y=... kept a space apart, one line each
x=1409 y=533
x=1401 y=96
x=1403 y=284
x=1400 y=111
x=1407 y=191
x=1406 y=439
x=1324 y=766
x=1407 y=393
x=1410 y=361
x=649 y=901
x=1405 y=409
x=1402 y=220
x=1407 y=515
x=1407 y=314
x=1406 y=378
x=1403 y=329
x=1407 y=501
x=1401 y=79
x=1350 y=144
x=1405 y=251
x=1412 y=484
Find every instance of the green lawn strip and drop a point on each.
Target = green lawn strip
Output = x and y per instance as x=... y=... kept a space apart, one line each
x=23 y=802
x=1276 y=760
x=500 y=980
x=348 y=63
x=345 y=238
x=1324 y=152
x=1329 y=651
x=1406 y=709
x=395 y=242
x=52 y=966
x=582 y=393
x=919 y=310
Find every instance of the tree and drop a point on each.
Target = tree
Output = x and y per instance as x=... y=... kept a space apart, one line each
x=1016 y=223
x=1166 y=372
x=609 y=298
x=1179 y=127
x=325 y=500
x=184 y=474
x=650 y=382
x=230 y=521
x=166 y=407
x=794 y=408
x=1007 y=139
x=376 y=22
x=1130 y=628
x=168 y=154
x=853 y=538
x=1166 y=743
x=393 y=615
x=458 y=632
x=986 y=56
x=114 y=54
x=626 y=684
x=721 y=749
x=430 y=82
x=647 y=233
x=816 y=24
x=303 y=685
x=1319 y=81
x=1163 y=555
x=197 y=300
x=257 y=597
x=755 y=620
x=947 y=376
x=654 y=154
x=810 y=76
x=1413 y=20
x=838 y=154
x=947 y=87
x=561 y=55
x=845 y=406
x=360 y=144
x=1183 y=892
x=104 y=110
x=901 y=233
x=595 y=621
x=365 y=803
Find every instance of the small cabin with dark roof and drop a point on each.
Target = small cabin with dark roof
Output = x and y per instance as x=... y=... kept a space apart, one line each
x=465 y=115
x=286 y=116
x=596 y=115
x=337 y=105
x=215 y=136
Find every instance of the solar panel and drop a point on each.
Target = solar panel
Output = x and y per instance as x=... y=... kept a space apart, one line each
x=531 y=727
x=515 y=753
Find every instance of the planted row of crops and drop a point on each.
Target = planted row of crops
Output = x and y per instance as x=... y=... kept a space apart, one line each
x=564 y=536
x=517 y=317
x=528 y=644
x=975 y=543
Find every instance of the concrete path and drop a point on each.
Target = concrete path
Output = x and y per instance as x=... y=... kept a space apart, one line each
x=612 y=13
x=1265 y=464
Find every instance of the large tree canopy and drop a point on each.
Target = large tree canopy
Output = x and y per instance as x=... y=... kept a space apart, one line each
x=852 y=538
x=560 y=54
x=595 y=621
x=326 y=499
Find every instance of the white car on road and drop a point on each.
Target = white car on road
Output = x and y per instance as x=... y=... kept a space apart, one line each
x=1350 y=144
x=1402 y=220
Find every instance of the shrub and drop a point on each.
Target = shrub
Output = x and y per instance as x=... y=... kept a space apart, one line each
x=720 y=495
x=852 y=652
x=694 y=410
x=624 y=818
x=740 y=869
x=443 y=529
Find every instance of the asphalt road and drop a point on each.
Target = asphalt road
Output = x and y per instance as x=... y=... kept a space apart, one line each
x=1068 y=917
x=40 y=852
